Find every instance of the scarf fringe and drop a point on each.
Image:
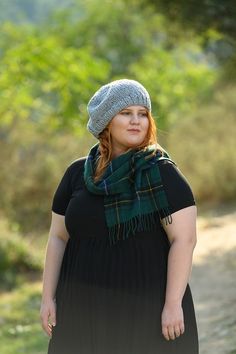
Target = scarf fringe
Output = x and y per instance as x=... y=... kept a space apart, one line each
x=140 y=223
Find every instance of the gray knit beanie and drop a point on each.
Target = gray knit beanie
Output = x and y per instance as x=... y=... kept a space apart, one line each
x=111 y=98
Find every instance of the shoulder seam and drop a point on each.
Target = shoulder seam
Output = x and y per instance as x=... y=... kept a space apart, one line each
x=167 y=159
x=78 y=162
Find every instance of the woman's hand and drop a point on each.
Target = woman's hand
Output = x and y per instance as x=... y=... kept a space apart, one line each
x=172 y=321
x=48 y=316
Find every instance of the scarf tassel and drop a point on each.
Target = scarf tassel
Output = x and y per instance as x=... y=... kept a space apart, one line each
x=140 y=223
x=167 y=216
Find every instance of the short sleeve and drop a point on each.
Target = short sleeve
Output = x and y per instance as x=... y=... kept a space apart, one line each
x=178 y=191
x=62 y=194
x=72 y=180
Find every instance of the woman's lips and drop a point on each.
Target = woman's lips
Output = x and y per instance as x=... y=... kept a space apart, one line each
x=134 y=130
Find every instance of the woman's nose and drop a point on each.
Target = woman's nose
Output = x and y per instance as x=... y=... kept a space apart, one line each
x=135 y=118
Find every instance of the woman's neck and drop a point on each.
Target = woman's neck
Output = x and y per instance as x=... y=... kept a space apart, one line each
x=117 y=152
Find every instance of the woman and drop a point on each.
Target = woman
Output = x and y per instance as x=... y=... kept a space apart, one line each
x=121 y=240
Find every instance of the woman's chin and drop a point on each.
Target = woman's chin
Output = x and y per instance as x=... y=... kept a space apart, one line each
x=134 y=143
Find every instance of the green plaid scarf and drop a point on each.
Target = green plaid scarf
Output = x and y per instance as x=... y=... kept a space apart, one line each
x=133 y=192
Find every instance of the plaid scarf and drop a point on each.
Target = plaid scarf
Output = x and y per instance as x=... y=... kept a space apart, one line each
x=133 y=191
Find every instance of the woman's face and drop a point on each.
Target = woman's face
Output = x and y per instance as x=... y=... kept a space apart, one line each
x=128 y=129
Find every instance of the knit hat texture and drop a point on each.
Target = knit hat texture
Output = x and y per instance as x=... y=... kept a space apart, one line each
x=111 y=98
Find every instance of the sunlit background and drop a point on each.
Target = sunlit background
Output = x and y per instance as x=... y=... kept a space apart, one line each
x=54 y=54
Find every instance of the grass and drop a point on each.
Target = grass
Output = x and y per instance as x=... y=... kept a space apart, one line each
x=21 y=263
x=20 y=257
x=20 y=328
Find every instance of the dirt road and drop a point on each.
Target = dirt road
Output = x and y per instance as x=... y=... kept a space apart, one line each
x=213 y=283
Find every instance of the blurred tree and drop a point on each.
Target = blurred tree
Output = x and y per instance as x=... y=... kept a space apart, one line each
x=49 y=72
x=214 y=20
x=32 y=163
x=44 y=81
x=178 y=80
x=119 y=32
x=142 y=44
x=204 y=147
x=201 y=14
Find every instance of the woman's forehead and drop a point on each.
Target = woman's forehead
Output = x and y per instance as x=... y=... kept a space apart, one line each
x=130 y=108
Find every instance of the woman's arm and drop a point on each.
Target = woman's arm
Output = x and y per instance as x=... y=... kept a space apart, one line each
x=182 y=236
x=58 y=238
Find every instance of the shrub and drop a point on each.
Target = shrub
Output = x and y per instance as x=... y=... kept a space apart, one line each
x=32 y=164
x=204 y=148
x=17 y=257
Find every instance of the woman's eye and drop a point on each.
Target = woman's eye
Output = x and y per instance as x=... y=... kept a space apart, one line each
x=143 y=114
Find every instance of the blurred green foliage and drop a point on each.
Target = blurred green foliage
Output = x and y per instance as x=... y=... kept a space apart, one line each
x=178 y=80
x=201 y=14
x=213 y=20
x=50 y=69
x=44 y=80
x=20 y=330
x=50 y=73
x=17 y=257
x=54 y=54
x=33 y=160
x=204 y=147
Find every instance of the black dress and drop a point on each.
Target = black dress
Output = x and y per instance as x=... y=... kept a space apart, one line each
x=110 y=298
